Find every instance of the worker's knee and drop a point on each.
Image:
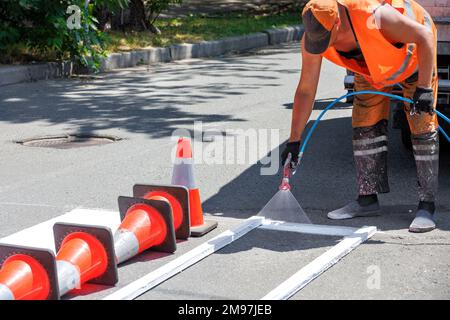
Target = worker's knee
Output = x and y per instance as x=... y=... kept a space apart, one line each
x=364 y=116
x=373 y=131
x=369 y=109
x=422 y=124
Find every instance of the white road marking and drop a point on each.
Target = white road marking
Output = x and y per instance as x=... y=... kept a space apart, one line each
x=319 y=265
x=41 y=235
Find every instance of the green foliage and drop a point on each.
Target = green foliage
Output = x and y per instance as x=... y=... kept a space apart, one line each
x=42 y=26
x=38 y=30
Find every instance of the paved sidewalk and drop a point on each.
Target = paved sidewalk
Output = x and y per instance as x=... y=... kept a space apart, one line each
x=213 y=7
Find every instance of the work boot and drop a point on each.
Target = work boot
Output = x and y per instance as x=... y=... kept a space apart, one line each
x=364 y=206
x=424 y=220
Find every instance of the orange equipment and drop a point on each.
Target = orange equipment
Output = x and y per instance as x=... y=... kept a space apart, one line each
x=178 y=198
x=27 y=273
x=146 y=223
x=85 y=253
x=183 y=175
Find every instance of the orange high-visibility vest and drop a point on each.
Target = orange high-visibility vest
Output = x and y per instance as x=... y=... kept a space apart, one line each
x=385 y=64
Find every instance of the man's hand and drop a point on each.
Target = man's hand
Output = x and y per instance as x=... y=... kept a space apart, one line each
x=423 y=101
x=293 y=148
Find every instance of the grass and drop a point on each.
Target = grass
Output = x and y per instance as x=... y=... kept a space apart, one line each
x=189 y=29
x=196 y=28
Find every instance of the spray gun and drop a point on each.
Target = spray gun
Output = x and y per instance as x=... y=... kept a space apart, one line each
x=288 y=172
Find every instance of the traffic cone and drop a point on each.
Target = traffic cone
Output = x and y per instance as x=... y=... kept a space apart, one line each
x=85 y=253
x=183 y=175
x=145 y=224
x=23 y=278
x=176 y=196
x=27 y=274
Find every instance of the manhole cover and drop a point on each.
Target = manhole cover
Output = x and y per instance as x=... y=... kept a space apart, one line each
x=68 y=141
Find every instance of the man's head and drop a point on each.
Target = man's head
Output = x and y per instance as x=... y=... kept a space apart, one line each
x=319 y=19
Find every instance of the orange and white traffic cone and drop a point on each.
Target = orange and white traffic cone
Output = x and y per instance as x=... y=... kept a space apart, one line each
x=176 y=196
x=145 y=224
x=183 y=175
x=27 y=274
x=23 y=278
x=85 y=253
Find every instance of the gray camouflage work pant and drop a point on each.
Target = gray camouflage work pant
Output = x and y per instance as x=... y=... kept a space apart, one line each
x=370 y=146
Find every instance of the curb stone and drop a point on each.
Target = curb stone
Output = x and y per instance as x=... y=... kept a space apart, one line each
x=288 y=34
x=34 y=72
x=204 y=49
x=218 y=47
x=134 y=58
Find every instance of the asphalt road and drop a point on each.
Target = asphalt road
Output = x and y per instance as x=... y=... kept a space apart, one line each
x=145 y=105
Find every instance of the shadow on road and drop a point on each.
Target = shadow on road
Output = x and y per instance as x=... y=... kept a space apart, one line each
x=155 y=105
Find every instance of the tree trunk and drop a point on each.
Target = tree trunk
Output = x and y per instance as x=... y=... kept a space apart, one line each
x=104 y=17
x=137 y=20
x=132 y=18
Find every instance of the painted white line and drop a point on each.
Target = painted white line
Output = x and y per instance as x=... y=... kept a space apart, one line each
x=154 y=278
x=307 y=228
x=41 y=235
x=315 y=268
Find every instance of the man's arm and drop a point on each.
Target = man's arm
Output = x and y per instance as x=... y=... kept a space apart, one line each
x=305 y=93
x=399 y=28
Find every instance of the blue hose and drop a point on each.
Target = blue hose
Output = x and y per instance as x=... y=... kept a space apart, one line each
x=332 y=104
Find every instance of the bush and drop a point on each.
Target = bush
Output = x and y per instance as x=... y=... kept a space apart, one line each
x=42 y=26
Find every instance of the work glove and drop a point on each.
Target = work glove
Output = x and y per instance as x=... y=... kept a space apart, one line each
x=293 y=148
x=423 y=101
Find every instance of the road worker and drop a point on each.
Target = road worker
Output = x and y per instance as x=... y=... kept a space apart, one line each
x=383 y=43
